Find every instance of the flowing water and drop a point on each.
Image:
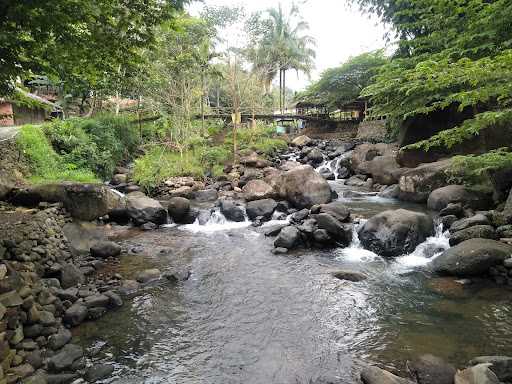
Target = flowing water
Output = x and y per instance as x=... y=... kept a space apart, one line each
x=248 y=316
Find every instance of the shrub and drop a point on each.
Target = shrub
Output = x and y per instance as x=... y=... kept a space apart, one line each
x=45 y=164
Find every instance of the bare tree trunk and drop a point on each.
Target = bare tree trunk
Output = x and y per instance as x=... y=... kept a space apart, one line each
x=281 y=91
x=202 y=102
x=284 y=90
x=118 y=103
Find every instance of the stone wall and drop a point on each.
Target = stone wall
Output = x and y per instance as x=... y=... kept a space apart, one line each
x=374 y=130
x=13 y=164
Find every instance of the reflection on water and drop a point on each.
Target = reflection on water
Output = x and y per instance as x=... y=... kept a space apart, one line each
x=248 y=316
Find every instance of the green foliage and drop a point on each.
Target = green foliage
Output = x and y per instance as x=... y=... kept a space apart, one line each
x=98 y=144
x=45 y=164
x=476 y=170
x=343 y=84
x=212 y=156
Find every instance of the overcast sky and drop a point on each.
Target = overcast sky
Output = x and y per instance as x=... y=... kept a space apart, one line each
x=340 y=31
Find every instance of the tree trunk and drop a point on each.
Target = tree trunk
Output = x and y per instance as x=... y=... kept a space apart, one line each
x=202 y=103
x=281 y=91
x=284 y=90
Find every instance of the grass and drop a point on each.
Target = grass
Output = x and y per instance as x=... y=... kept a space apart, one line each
x=45 y=164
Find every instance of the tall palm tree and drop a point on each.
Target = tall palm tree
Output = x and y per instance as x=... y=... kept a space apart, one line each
x=283 y=46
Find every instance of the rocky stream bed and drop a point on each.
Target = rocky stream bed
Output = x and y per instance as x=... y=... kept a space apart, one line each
x=329 y=263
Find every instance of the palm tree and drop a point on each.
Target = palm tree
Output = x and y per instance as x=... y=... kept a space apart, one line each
x=283 y=46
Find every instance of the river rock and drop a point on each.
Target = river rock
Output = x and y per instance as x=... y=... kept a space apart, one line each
x=304 y=187
x=302 y=141
x=62 y=378
x=336 y=209
x=385 y=170
x=417 y=184
x=477 y=231
x=507 y=209
x=315 y=156
x=390 y=192
x=178 y=208
x=205 y=195
x=366 y=152
x=75 y=314
x=147 y=275
x=429 y=369
x=90 y=201
x=257 y=190
x=375 y=375
x=353 y=276
x=500 y=365
x=289 y=238
x=65 y=358
x=58 y=340
x=143 y=209
x=472 y=257
x=479 y=374
x=105 y=249
x=255 y=161
x=70 y=276
x=443 y=196
x=232 y=211
x=478 y=219
x=454 y=209
x=261 y=208
x=98 y=372
x=396 y=232
x=341 y=233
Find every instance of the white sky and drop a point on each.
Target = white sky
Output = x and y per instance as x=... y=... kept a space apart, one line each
x=340 y=31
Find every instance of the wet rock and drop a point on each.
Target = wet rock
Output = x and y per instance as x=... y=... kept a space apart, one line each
x=58 y=340
x=429 y=369
x=98 y=372
x=304 y=187
x=384 y=169
x=418 y=183
x=374 y=375
x=452 y=209
x=129 y=286
x=274 y=230
x=105 y=249
x=205 y=195
x=143 y=209
x=461 y=224
x=327 y=174
x=288 y=238
x=478 y=231
x=344 y=173
x=500 y=365
x=396 y=232
x=302 y=141
x=65 y=358
x=337 y=210
x=353 y=276
x=147 y=275
x=322 y=237
x=479 y=374
x=390 y=192
x=115 y=300
x=472 y=257
x=75 y=314
x=507 y=209
x=447 y=221
x=279 y=251
x=178 y=208
x=341 y=233
x=441 y=197
x=232 y=211
x=90 y=201
x=70 y=276
x=62 y=378
x=261 y=208
x=119 y=178
x=257 y=190
x=365 y=153
x=97 y=300
x=177 y=274
x=11 y=299
x=315 y=156
x=204 y=216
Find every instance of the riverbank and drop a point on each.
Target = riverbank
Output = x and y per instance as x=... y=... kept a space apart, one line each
x=313 y=230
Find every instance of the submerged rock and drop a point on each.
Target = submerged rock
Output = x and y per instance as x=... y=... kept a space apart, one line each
x=396 y=232
x=375 y=375
x=429 y=369
x=353 y=276
x=472 y=257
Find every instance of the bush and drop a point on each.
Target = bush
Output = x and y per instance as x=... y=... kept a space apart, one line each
x=45 y=164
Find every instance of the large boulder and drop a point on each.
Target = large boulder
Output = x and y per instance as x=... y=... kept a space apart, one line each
x=418 y=183
x=475 y=232
x=472 y=257
x=385 y=170
x=336 y=209
x=396 y=232
x=301 y=141
x=304 y=187
x=261 y=208
x=429 y=369
x=375 y=375
x=479 y=374
x=365 y=153
x=315 y=156
x=178 y=208
x=468 y=222
x=143 y=209
x=441 y=197
x=255 y=161
x=232 y=211
x=288 y=238
x=105 y=249
x=257 y=189
x=341 y=233
x=501 y=365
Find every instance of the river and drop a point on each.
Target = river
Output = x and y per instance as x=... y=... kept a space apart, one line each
x=249 y=316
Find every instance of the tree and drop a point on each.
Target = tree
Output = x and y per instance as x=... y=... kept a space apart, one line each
x=76 y=41
x=281 y=45
x=344 y=84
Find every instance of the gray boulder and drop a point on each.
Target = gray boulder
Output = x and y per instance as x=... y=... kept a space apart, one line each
x=443 y=196
x=337 y=210
x=341 y=233
x=264 y=208
x=500 y=365
x=472 y=257
x=396 y=232
x=475 y=232
x=417 y=184
x=257 y=190
x=75 y=314
x=59 y=339
x=232 y=211
x=390 y=192
x=375 y=375
x=105 y=249
x=479 y=374
x=143 y=209
x=98 y=372
x=70 y=276
x=477 y=219
x=289 y=238
x=65 y=358
x=205 y=195
x=148 y=275
x=347 y=275
x=303 y=187
x=178 y=208
x=315 y=156
x=429 y=369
